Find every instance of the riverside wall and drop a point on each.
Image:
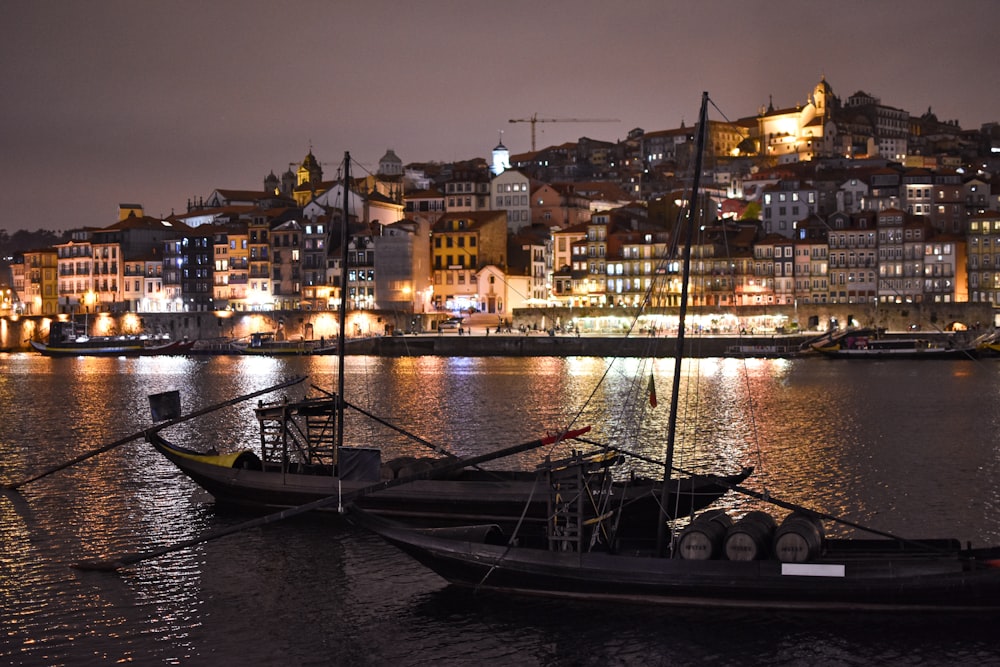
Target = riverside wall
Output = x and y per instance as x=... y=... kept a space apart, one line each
x=368 y=329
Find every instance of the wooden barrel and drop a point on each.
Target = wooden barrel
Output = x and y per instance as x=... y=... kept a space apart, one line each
x=750 y=537
x=703 y=537
x=799 y=539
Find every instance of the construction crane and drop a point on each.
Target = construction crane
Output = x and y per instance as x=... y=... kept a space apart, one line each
x=535 y=119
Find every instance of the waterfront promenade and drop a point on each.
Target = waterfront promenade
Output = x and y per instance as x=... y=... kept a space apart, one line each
x=532 y=332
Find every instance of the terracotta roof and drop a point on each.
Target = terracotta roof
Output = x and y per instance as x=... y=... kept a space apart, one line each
x=475 y=218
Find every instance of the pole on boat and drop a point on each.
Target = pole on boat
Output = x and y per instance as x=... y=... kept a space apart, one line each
x=342 y=312
x=437 y=471
x=688 y=239
x=142 y=434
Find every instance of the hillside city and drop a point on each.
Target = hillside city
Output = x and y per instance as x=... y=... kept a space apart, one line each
x=834 y=201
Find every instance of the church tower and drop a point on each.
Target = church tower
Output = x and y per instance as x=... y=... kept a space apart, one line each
x=824 y=99
x=501 y=158
x=288 y=183
x=310 y=172
x=271 y=184
x=390 y=165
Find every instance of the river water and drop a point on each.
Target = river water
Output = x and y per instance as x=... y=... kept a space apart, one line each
x=907 y=447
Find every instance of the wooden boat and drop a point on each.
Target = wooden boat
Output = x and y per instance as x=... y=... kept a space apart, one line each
x=217 y=346
x=712 y=561
x=299 y=462
x=302 y=458
x=860 y=575
x=65 y=340
x=268 y=343
x=763 y=351
x=869 y=344
x=988 y=345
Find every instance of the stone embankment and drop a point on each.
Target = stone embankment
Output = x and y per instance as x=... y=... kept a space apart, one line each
x=563 y=345
x=602 y=329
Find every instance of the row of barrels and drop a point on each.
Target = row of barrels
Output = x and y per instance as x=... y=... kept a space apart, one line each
x=405 y=466
x=757 y=536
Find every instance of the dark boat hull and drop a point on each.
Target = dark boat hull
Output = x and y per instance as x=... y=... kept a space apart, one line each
x=289 y=349
x=872 y=344
x=866 y=575
x=110 y=348
x=907 y=355
x=469 y=496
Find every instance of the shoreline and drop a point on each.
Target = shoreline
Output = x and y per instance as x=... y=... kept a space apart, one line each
x=540 y=344
x=563 y=345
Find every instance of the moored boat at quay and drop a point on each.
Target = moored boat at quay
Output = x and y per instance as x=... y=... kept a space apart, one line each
x=270 y=343
x=873 y=344
x=65 y=340
x=212 y=346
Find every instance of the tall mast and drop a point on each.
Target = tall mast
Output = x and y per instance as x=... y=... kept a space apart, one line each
x=682 y=312
x=342 y=338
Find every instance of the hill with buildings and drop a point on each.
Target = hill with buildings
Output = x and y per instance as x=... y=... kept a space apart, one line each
x=839 y=200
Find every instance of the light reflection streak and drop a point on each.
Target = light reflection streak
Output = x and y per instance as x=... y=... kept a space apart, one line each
x=859 y=441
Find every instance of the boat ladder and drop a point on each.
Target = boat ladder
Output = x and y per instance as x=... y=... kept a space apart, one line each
x=574 y=484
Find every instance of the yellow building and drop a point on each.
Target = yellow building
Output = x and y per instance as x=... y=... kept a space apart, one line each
x=461 y=245
x=41 y=282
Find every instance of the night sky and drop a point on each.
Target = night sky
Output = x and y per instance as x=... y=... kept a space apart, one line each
x=150 y=102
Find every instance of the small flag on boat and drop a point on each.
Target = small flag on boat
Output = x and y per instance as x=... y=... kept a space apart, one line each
x=652 y=391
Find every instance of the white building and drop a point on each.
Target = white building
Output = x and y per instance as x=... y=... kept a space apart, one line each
x=509 y=193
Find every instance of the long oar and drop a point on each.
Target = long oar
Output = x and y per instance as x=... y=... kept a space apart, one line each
x=436 y=471
x=140 y=434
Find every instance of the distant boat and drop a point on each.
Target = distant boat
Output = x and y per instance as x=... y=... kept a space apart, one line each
x=67 y=340
x=222 y=345
x=268 y=343
x=871 y=344
x=989 y=344
x=765 y=351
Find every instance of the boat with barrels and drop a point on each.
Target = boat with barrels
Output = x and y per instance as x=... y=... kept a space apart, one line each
x=783 y=556
x=68 y=339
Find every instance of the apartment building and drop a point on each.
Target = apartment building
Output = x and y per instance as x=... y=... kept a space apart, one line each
x=852 y=258
x=784 y=204
x=40 y=282
x=984 y=258
x=75 y=262
x=462 y=244
x=315 y=292
x=286 y=264
x=509 y=193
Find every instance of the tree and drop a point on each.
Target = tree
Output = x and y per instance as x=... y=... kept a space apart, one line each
x=752 y=211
